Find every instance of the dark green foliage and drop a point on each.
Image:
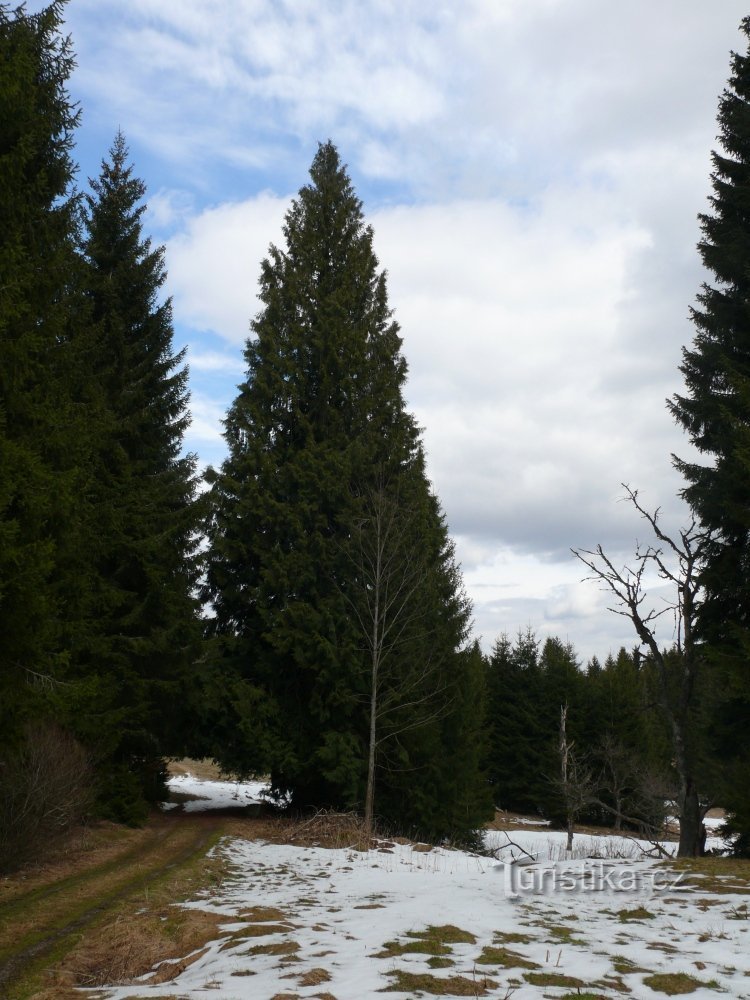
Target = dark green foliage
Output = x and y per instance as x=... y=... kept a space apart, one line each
x=614 y=727
x=515 y=724
x=318 y=425
x=40 y=423
x=715 y=412
x=141 y=499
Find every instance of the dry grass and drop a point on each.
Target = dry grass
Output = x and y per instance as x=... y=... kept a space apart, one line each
x=501 y=937
x=432 y=941
x=552 y=979
x=675 y=983
x=455 y=986
x=315 y=977
x=274 y=948
x=717 y=875
x=80 y=850
x=167 y=941
x=504 y=957
x=204 y=770
x=638 y=914
x=261 y=914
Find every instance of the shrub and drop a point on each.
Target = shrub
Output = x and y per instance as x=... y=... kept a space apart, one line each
x=45 y=789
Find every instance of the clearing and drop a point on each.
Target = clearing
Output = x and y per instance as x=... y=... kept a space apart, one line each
x=259 y=917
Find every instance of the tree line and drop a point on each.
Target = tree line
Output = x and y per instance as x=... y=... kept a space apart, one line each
x=303 y=617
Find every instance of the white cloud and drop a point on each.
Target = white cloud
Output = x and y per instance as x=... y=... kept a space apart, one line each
x=552 y=156
x=214 y=265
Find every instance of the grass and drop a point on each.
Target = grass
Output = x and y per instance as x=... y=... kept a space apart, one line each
x=625 y=967
x=129 y=921
x=675 y=983
x=273 y=948
x=436 y=962
x=315 y=977
x=551 y=979
x=455 y=986
x=639 y=913
x=717 y=875
x=563 y=935
x=504 y=957
x=432 y=941
x=501 y=937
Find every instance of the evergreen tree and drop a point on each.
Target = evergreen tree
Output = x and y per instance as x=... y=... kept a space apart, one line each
x=515 y=723
x=317 y=426
x=40 y=443
x=143 y=515
x=715 y=411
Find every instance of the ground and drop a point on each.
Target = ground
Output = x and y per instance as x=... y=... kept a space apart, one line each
x=269 y=919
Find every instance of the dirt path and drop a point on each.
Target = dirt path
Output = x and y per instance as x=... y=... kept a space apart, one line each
x=38 y=923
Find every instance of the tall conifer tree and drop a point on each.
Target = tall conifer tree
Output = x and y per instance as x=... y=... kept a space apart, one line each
x=715 y=411
x=40 y=443
x=142 y=497
x=319 y=424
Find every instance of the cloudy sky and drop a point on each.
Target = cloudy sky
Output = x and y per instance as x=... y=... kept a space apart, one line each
x=532 y=169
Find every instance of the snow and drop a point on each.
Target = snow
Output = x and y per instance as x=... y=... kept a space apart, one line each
x=215 y=794
x=340 y=907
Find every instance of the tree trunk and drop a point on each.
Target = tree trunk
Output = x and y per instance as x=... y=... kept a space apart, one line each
x=692 y=834
x=370 y=792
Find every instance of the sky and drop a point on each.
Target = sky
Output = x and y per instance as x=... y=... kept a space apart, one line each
x=533 y=171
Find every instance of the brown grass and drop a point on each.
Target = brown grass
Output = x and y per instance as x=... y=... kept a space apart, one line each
x=455 y=986
x=273 y=948
x=674 y=983
x=431 y=941
x=167 y=941
x=717 y=875
x=204 y=770
x=551 y=979
x=504 y=957
x=315 y=977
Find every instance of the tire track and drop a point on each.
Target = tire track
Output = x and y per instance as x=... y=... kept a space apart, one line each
x=47 y=936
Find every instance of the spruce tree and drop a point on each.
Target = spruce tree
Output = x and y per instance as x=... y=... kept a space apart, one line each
x=516 y=724
x=141 y=500
x=715 y=412
x=41 y=444
x=318 y=426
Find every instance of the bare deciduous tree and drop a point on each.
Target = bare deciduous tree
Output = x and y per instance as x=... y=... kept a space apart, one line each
x=677 y=563
x=575 y=783
x=392 y=565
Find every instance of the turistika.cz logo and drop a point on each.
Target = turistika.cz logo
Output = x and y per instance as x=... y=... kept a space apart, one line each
x=590 y=876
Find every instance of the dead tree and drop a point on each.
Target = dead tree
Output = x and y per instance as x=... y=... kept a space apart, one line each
x=677 y=563
x=575 y=782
